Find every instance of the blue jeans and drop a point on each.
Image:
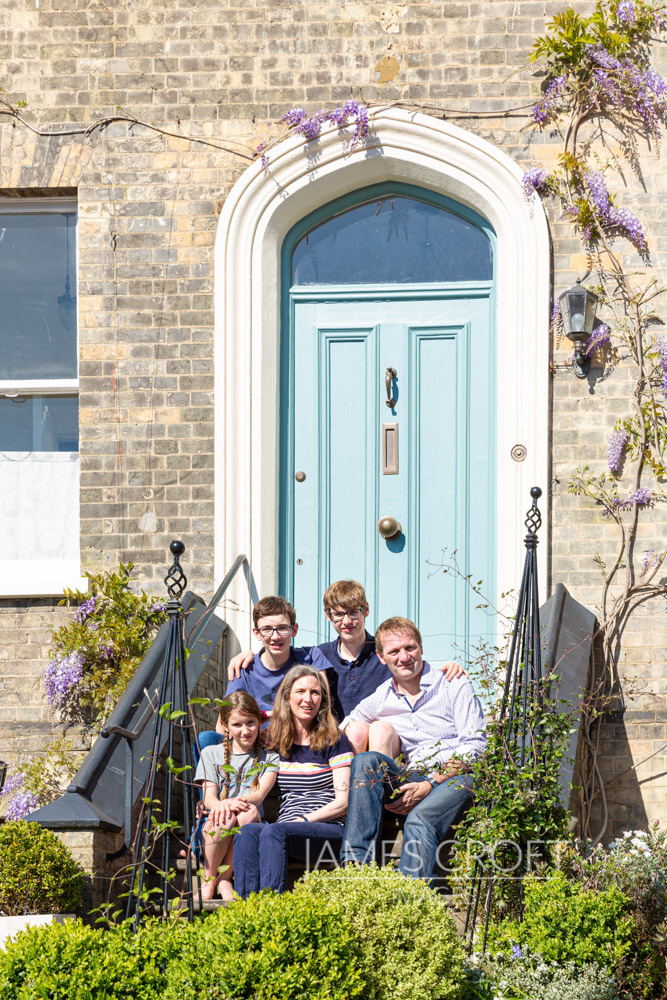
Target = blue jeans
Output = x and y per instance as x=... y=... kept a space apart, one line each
x=261 y=851
x=426 y=826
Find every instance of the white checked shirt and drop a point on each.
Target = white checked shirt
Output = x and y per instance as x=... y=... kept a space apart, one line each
x=445 y=720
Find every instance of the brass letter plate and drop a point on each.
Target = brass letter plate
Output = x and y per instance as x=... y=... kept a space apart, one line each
x=390 y=449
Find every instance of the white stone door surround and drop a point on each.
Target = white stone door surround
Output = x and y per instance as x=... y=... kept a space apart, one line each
x=258 y=213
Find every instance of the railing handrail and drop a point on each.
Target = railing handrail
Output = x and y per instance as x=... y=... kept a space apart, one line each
x=201 y=623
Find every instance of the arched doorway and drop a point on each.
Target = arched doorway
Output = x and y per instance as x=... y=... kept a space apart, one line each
x=260 y=211
x=388 y=300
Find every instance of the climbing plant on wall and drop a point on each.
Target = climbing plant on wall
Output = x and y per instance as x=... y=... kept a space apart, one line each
x=603 y=98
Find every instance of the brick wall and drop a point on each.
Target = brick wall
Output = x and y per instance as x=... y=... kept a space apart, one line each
x=225 y=72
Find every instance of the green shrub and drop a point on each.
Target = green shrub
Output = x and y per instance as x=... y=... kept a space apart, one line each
x=636 y=865
x=71 y=961
x=564 y=922
x=269 y=947
x=37 y=872
x=410 y=947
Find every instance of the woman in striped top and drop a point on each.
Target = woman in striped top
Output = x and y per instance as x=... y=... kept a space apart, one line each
x=313 y=778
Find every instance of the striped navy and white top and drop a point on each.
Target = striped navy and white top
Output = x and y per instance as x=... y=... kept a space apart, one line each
x=305 y=778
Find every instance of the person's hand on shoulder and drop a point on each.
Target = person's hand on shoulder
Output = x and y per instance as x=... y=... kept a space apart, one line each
x=453 y=670
x=238 y=663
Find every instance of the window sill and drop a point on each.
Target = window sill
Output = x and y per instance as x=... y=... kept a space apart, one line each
x=40 y=578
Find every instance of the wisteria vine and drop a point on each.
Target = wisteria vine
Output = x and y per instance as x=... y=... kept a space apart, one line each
x=599 y=80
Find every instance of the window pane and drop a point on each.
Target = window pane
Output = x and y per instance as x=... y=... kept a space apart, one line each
x=38 y=317
x=39 y=423
x=395 y=240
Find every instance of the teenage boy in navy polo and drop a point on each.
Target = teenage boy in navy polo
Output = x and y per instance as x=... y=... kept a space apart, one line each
x=354 y=669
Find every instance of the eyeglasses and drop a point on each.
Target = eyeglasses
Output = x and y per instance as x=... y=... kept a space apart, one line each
x=281 y=630
x=354 y=615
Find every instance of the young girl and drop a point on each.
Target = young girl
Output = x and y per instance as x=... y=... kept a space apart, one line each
x=232 y=796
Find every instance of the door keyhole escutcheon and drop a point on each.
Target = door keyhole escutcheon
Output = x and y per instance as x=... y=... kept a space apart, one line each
x=389 y=528
x=390 y=375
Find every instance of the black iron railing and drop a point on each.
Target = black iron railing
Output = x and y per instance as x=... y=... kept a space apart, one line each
x=523 y=688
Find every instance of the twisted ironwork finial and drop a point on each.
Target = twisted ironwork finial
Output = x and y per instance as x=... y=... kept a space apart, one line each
x=176 y=580
x=533 y=520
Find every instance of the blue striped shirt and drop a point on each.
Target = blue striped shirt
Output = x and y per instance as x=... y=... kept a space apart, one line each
x=446 y=719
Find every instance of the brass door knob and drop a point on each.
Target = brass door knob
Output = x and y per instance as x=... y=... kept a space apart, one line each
x=389 y=528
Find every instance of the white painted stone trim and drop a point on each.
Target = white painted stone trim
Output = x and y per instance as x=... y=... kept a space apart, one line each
x=258 y=213
x=40 y=577
x=11 y=926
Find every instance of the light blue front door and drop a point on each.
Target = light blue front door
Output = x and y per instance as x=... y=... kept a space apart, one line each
x=427 y=461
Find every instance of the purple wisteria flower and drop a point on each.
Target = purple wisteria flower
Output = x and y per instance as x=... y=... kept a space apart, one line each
x=642 y=497
x=598 y=338
x=310 y=126
x=264 y=157
x=87 y=608
x=623 y=218
x=625 y=12
x=605 y=84
x=157 y=606
x=533 y=180
x=620 y=82
x=21 y=801
x=661 y=348
x=294 y=117
x=608 y=214
x=107 y=652
x=616 y=449
x=62 y=674
x=598 y=188
x=650 y=560
x=547 y=109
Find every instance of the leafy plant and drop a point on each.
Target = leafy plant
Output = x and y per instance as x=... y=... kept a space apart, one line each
x=94 y=656
x=636 y=865
x=37 y=872
x=516 y=819
x=410 y=950
x=277 y=947
x=528 y=977
x=73 y=961
x=40 y=780
x=564 y=922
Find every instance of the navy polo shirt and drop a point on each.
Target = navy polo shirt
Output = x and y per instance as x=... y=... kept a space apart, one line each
x=350 y=683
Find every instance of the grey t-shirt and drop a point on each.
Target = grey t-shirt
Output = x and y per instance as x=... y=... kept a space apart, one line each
x=211 y=768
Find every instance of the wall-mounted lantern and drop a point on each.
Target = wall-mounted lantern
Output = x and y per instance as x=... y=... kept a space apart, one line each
x=577 y=307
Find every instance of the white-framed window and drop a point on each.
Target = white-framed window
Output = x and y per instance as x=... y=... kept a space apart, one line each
x=39 y=403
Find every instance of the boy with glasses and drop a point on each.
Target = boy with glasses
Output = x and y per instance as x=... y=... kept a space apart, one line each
x=274 y=621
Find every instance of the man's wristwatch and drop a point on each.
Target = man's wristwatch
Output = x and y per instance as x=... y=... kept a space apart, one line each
x=432 y=782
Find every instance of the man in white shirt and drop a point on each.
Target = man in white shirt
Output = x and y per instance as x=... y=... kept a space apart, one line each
x=435 y=720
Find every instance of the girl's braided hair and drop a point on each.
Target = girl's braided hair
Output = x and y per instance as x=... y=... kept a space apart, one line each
x=239 y=701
